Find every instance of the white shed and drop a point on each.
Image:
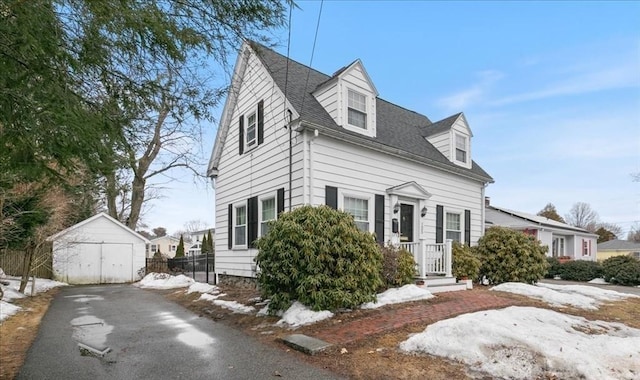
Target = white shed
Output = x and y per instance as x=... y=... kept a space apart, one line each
x=98 y=250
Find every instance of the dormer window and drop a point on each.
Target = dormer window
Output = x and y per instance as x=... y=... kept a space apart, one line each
x=357 y=109
x=461 y=148
x=251 y=130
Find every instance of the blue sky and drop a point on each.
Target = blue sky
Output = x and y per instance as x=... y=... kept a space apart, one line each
x=551 y=91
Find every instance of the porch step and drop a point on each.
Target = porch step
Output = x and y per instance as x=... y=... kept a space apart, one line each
x=438 y=284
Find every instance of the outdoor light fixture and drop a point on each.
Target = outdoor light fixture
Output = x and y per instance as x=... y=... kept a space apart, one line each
x=423 y=212
x=396 y=208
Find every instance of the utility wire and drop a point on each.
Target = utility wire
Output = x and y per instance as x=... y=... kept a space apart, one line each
x=315 y=38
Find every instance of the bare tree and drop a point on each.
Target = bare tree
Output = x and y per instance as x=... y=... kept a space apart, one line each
x=195 y=225
x=582 y=216
x=634 y=233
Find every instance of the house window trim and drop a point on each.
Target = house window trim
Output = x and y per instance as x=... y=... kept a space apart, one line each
x=370 y=198
x=237 y=206
x=562 y=243
x=272 y=195
x=249 y=147
x=370 y=129
x=445 y=218
x=466 y=150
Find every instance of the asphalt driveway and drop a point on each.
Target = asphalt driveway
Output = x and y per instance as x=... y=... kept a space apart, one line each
x=145 y=336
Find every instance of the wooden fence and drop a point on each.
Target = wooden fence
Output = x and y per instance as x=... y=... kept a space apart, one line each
x=12 y=262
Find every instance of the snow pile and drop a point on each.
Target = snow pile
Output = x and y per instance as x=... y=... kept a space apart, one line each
x=210 y=297
x=164 y=281
x=527 y=342
x=599 y=281
x=406 y=293
x=580 y=296
x=300 y=315
x=202 y=288
x=11 y=292
x=234 y=306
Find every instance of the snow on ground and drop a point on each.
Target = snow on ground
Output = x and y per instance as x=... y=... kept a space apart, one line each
x=210 y=297
x=523 y=342
x=203 y=288
x=300 y=315
x=599 y=281
x=406 y=293
x=580 y=296
x=11 y=293
x=164 y=281
x=234 y=306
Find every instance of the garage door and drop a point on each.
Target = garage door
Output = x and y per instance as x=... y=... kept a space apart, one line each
x=117 y=263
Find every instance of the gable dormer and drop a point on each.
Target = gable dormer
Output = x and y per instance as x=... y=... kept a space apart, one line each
x=349 y=96
x=452 y=137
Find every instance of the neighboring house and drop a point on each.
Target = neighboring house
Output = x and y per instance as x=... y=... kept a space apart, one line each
x=98 y=250
x=167 y=245
x=195 y=249
x=197 y=236
x=561 y=239
x=618 y=248
x=330 y=140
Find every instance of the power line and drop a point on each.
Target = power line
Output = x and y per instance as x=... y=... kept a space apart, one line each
x=315 y=38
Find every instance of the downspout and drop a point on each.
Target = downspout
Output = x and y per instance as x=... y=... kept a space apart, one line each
x=483 y=207
x=315 y=134
x=289 y=113
x=305 y=168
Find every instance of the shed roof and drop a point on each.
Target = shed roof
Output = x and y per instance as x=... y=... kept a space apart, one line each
x=115 y=222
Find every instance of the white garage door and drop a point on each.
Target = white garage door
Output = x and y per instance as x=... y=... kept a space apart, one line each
x=117 y=263
x=95 y=263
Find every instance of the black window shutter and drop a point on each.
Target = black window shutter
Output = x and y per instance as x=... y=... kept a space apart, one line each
x=379 y=219
x=331 y=197
x=252 y=222
x=230 y=227
x=241 y=134
x=467 y=227
x=439 y=224
x=280 y=201
x=260 y=122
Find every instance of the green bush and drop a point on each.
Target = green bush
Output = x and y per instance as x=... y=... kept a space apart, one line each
x=398 y=267
x=623 y=270
x=580 y=270
x=465 y=262
x=319 y=257
x=508 y=255
x=554 y=268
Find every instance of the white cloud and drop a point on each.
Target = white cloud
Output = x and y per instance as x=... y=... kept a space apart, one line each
x=473 y=94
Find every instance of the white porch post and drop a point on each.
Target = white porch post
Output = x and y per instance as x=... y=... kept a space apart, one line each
x=422 y=262
x=449 y=257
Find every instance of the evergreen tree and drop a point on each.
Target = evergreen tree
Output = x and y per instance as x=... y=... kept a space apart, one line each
x=549 y=211
x=180 y=249
x=204 y=247
x=210 y=242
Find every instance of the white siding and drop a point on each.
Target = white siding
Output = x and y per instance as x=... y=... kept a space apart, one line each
x=442 y=142
x=362 y=170
x=328 y=98
x=259 y=171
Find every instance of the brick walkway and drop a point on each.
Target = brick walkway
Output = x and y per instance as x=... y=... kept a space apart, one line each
x=456 y=303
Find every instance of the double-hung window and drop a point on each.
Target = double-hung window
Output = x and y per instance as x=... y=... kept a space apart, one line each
x=357 y=106
x=359 y=208
x=454 y=224
x=267 y=213
x=252 y=121
x=240 y=225
x=461 y=148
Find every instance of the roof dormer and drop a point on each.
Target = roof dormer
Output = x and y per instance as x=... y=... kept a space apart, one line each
x=452 y=137
x=349 y=96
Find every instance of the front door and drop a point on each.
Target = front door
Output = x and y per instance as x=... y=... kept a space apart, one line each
x=406 y=223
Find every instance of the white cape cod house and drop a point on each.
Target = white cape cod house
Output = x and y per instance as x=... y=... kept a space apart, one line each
x=291 y=136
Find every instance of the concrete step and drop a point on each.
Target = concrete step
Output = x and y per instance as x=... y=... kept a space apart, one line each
x=438 y=280
x=439 y=288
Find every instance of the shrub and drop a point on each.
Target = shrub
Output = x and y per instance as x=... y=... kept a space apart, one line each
x=465 y=262
x=580 y=270
x=318 y=256
x=554 y=268
x=623 y=270
x=398 y=267
x=509 y=255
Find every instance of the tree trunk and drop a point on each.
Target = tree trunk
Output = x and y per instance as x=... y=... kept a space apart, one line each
x=26 y=266
x=112 y=194
x=137 y=199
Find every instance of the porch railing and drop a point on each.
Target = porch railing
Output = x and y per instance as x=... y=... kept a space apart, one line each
x=431 y=259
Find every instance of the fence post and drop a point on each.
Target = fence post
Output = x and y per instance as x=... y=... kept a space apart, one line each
x=194 y=266
x=206 y=266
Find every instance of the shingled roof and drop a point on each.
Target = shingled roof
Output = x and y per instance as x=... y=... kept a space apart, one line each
x=396 y=127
